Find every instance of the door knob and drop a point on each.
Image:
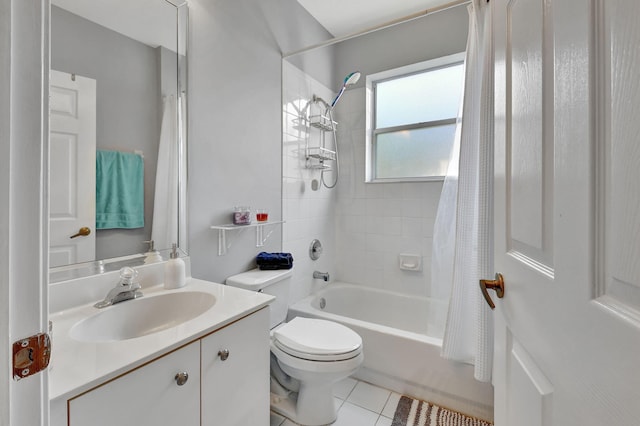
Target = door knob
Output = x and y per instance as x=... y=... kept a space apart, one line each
x=82 y=232
x=497 y=285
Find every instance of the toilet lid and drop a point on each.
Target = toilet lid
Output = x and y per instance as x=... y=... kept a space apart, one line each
x=317 y=339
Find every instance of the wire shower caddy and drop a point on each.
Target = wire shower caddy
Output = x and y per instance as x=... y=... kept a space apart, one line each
x=319 y=118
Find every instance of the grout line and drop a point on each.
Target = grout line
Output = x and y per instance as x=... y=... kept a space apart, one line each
x=385 y=403
x=380 y=417
x=360 y=406
x=352 y=389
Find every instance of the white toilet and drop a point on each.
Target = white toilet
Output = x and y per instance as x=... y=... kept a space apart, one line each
x=308 y=356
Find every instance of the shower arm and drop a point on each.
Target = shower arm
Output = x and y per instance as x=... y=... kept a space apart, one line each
x=319 y=100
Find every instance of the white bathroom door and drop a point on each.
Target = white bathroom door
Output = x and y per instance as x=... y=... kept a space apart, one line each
x=72 y=163
x=567 y=212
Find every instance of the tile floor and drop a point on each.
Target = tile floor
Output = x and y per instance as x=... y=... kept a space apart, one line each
x=360 y=404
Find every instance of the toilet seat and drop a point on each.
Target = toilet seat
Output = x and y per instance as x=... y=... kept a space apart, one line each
x=317 y=340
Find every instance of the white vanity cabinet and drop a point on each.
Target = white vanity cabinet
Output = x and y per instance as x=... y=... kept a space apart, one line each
x=235 y=373
x=149 y=395
x=227 y=385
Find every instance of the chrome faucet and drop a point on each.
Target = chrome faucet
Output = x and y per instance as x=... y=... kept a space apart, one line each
x=321 y=275
x=126 y=289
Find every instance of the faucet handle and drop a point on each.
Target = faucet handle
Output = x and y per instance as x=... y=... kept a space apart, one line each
x=127 y=275
x=151 y=245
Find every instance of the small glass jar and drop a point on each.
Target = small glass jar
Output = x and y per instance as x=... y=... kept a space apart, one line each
x=241 y=215
x=262 y=215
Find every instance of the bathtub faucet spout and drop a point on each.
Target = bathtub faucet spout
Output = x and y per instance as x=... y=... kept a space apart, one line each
x=321 y=275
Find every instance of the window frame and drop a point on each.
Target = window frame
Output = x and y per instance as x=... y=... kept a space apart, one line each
x=372 y=132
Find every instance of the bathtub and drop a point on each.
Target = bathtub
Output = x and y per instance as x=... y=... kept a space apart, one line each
x=402 y=338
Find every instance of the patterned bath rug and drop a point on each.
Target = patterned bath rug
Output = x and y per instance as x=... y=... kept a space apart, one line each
x=412 y=412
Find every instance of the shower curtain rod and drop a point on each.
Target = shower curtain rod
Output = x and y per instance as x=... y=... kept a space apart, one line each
x=387 y=24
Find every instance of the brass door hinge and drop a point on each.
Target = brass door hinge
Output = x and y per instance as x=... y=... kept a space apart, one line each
x=31 y=355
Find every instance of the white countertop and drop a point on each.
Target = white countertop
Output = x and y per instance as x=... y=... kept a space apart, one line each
x=77 y=366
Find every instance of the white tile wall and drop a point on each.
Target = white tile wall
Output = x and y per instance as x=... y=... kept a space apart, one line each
x=378 y=221
x=363 y=227
x=308 y=214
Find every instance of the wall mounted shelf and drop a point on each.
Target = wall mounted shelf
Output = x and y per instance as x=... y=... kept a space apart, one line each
x=223 y=246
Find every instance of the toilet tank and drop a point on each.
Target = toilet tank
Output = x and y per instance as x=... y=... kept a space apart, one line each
x=275 y=283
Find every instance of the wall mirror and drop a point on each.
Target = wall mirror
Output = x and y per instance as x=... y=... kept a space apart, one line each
x=117 y=134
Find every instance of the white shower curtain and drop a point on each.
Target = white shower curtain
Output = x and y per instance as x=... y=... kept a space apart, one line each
x=463 y=232
x=167 y=205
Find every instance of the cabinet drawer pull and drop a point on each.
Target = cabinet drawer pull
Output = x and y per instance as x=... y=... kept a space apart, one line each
x=223 y=354
x=181 y=378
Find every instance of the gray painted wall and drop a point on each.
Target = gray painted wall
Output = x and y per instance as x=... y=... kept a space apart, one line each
x=435 y=35
x=235 y=107
x=235 y=60
x=318 y=63
x=128 y=104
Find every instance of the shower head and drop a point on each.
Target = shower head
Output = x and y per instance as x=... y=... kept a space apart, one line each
x=349 y=80
x=352 y=78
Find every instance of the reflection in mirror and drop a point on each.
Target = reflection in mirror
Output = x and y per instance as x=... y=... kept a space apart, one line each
x=118 y=134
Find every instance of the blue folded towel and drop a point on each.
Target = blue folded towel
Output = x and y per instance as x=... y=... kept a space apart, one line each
x=119 y=190
x=272 y=261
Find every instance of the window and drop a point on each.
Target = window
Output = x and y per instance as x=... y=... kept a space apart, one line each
x=412 y=113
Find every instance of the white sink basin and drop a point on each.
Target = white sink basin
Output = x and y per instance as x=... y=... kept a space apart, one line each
x=143 y=316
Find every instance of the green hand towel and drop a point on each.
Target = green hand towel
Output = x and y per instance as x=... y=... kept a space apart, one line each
x=119 y=190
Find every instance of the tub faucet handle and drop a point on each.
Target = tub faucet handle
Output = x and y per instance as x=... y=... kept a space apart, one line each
x=321 y=275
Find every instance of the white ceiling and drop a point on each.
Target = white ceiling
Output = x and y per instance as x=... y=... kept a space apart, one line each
x=144 y=20
x=343 y=17
x=139 y=19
